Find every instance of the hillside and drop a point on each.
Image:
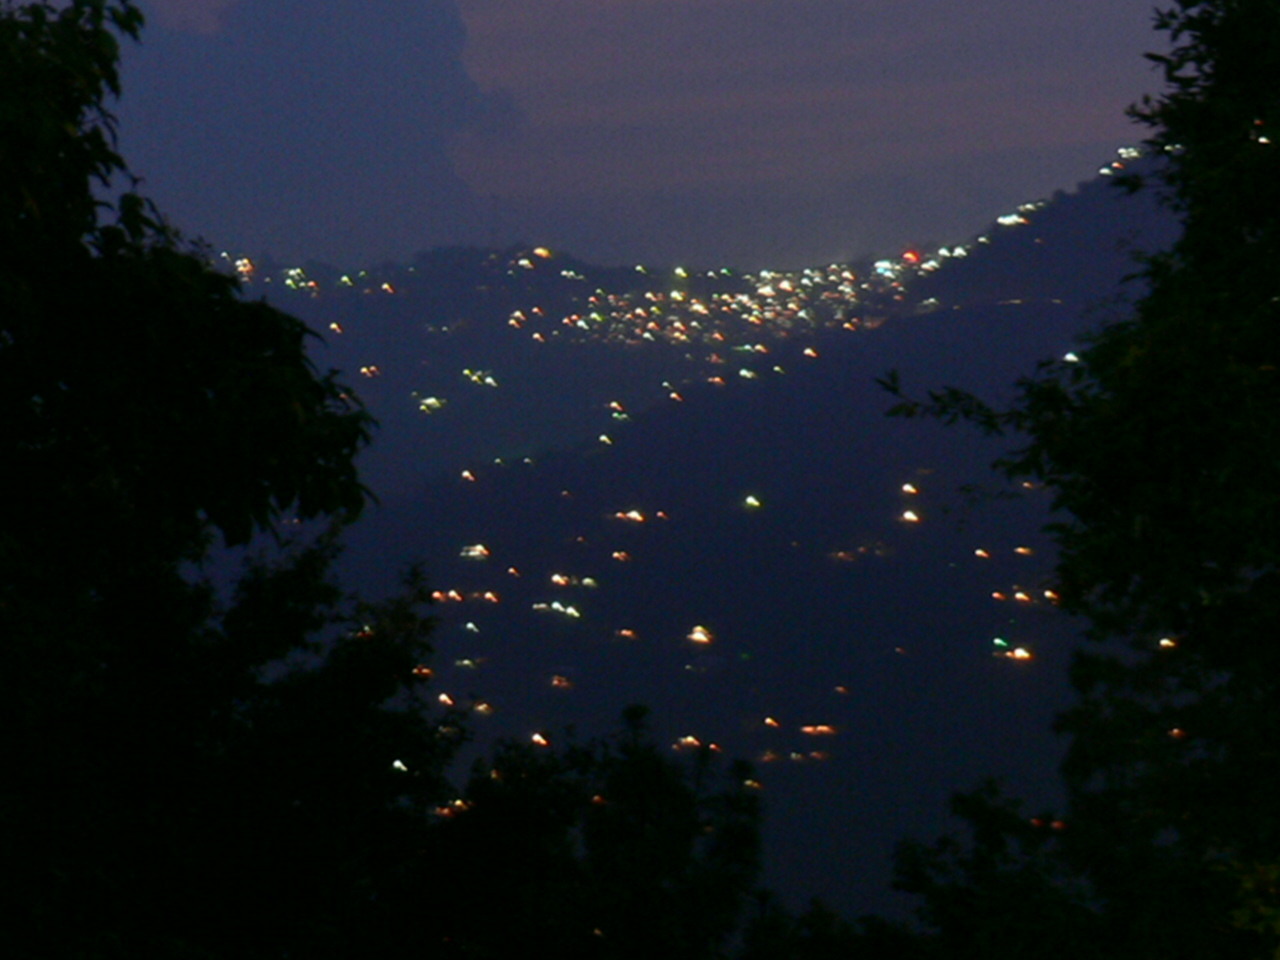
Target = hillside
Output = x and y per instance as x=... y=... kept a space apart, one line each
x=700 y=505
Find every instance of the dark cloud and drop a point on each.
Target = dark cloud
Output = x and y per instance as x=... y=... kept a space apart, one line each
x=314 y=128
x=766 y=132
x=193 y=16
x=744 y=131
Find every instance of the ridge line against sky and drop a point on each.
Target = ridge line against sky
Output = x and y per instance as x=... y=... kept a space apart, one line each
x=741 y=132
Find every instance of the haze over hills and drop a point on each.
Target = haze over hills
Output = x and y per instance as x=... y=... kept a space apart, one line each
x=521 y=318
x=678 y=487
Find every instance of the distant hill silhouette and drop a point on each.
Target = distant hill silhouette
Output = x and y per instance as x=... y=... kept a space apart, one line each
x=1077 y=248
x=824 y=606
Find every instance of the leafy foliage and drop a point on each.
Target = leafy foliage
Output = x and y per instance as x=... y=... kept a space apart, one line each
x=192 y=770
x=1002 y=892
x=209 y=764
x=1161 y=446
x=608 y=849
x=821 y=934
x=1159 y=443
x=127 y=363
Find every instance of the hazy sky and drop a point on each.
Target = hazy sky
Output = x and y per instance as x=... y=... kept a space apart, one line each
x=746 y=132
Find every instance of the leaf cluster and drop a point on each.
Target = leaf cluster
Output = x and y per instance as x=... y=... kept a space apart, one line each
x=196 y=765
x=209 y=764
x=1160 y=445
x=606 y=849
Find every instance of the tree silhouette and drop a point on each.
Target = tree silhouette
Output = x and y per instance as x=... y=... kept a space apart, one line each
x=1161 y=446
x=1003 y=890
x=607 y=849
x=821 y=934
x=211 y=760
x=196 y=763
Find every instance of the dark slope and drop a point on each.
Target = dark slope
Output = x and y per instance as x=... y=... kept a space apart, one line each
x=1076 y=247
x=825 y=607
x=822 y=586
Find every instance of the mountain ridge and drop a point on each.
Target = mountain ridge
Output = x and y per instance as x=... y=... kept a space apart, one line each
x=742 y=536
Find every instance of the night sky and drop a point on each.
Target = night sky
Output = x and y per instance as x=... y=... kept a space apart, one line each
x=750 y=133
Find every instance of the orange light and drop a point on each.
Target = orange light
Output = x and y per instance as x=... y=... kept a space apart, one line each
x=819 y=730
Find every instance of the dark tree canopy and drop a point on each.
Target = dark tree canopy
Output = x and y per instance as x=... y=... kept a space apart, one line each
x=611 y=849
x=127 y=365
x=202 y=763
x=189 y=771
x=1161 y=446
